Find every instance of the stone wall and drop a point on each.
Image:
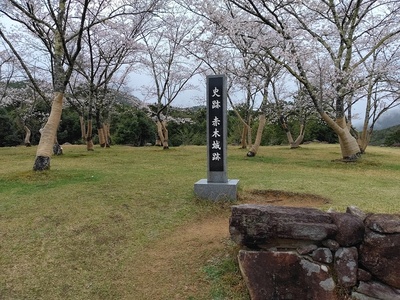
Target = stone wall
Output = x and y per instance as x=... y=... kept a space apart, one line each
x=305 y=253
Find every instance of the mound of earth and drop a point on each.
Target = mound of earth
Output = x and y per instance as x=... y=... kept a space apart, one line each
x=282 y=198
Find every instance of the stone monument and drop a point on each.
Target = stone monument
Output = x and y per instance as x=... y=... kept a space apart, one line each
x=217 y=186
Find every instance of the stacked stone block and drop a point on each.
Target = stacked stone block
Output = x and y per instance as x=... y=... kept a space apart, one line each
x=305 y=253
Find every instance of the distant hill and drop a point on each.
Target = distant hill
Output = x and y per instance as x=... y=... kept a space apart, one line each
x=379 y=136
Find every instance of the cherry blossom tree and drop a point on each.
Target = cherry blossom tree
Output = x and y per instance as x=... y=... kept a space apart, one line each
x=108 y=55
x=56 y=29
x=310 y=37
x=301 y=108
x=250 y=77
x=257 y=84
x=168 y=63
x=17 y=93
x=380 y=91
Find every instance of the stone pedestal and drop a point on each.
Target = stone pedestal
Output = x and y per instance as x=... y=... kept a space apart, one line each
x=216 y=190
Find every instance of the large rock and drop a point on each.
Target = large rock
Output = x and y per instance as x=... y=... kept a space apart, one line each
x=346 y=266
x=331 y=244
x=323 y=255
x=255 y=225
x=355 y=211
x=363 y=275
x=383 y=223
x=307 y=249
x=358 y=296
x=350 y=229
x=380 y=255
x=284 y=275
x=378 y=290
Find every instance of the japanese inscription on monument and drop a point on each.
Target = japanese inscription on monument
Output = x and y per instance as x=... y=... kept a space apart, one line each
x=216 y=128
x=215 y=121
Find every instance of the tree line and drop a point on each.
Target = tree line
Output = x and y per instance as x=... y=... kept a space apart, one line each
x=285 y=61
x=136 y=126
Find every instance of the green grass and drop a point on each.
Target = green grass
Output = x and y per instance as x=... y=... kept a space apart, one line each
x=223 y=273
x=79 y=230
x=371 y=183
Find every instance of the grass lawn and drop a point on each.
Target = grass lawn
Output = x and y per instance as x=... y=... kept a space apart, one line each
x=123 y=222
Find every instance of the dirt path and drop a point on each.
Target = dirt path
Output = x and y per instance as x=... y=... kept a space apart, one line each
x=172 y=269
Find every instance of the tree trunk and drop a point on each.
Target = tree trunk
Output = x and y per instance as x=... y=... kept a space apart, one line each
x=249 y=133
x=289 y=137
x=293 y=143
x=57 y=149
x=107 y=135
x=166 y=137
x=27 y=140
x=159 y=142
x=163 y=133
x=45 y=147
x=296 y=144
x=89 y=138
x=284 y=125
x=83 y=128
x=243 y=140
x=348 y=144
x=104 y=134
x=363 y=140
x=254 y=148
x=102 y=139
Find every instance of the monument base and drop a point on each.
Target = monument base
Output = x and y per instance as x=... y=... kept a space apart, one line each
x=216 y=190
